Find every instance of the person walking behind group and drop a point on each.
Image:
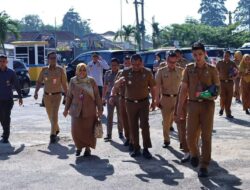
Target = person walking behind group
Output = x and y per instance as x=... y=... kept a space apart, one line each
x=54 y=79
x=8 y=79
x=137 y=80
x=199 y=77
x=237 y=88
x=245 y=82
x=168 y=80
x=120 y=92
x=228 y=71
x=95 y=69
x=109 y=80
x=181 y=61
x=84 y=104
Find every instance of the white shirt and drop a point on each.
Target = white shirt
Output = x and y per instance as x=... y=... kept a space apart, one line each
x=95 y=70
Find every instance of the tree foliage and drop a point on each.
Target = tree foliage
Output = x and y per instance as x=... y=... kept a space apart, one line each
x=242 y=13
x=213 y=12
x=7 y=25
x=72 y=22
x=31 y=23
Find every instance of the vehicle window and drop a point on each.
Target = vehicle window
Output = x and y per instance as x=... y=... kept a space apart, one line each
x=188 y=55
x=150 y=59
x=215 y=53
x=18 y=65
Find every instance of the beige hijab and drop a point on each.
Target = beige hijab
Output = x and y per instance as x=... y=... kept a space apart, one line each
x=84 y=82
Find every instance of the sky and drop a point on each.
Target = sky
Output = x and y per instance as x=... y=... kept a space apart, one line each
x=105 y=15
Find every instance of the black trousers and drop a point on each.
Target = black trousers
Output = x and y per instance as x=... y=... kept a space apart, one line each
x=5 y=112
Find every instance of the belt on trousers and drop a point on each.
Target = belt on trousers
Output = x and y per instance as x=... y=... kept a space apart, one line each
x=52 y=93
x=200 y=100
x=136 y=101
x=170 y=95
x=226 y=81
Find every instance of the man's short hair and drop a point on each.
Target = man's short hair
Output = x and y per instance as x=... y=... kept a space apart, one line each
x=136 y=57
x=178 y=51
x=198 y=46
x=127 y=57
x=51 y=53
x=171 y=54
x=95 y=54
x=115 y=60
x=3 y=56
x=227 y=52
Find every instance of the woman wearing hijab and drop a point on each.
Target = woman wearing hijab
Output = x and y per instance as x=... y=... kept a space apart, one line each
x=84 y=104
x=237 y=93
x=245 y=82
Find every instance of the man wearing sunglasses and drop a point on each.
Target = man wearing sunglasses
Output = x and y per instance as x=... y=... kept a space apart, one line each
x=54 y=79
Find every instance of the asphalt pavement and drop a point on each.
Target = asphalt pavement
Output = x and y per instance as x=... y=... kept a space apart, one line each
x=30 y=162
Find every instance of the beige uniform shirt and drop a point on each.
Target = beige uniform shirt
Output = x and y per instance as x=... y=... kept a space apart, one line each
x=199 y=77
x=224 y=69
x=53 y=79
x=169 y=80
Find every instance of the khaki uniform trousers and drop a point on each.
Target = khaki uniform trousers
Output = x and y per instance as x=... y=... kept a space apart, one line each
x=167 y=111
x=237 y=91
x=52 y=104
x=182 y=128
x=139 y=112
x=200 y=119
x=245 y=94
x=124 y=117
x=226 y=96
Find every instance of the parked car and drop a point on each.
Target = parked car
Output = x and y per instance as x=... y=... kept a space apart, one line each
x=243 y=51
x=22 y=75
x=87 y=57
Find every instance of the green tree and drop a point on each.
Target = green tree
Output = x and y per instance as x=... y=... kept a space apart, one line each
x=156 y=35
x=72 y=22
x=7 y=25
x=31 y=23
x=125 y=33
x=213 y=12
x=242 y=13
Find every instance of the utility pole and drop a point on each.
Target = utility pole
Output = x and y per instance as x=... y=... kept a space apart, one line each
x=142 y=25
x=249 y=16
x=138 y=35
x=230 y=17
x=121 y=18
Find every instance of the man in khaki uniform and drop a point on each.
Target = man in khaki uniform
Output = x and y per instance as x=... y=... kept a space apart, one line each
x=137 y=80
x=198 y=77
x=227 y=75
x=120 y=92
x=54 y=79
x=181 y=61
x=168 y=80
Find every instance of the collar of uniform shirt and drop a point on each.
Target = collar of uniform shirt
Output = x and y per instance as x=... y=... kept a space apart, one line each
x=204 y=66
x=52 y=67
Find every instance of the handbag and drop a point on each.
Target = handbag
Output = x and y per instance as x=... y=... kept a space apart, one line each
x=98 y=129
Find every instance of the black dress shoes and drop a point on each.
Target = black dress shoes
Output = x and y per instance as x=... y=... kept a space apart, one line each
x=107 y=138
x=126 y=143
x=78 y=152
x=87 y=152
x=165 y=144
x=121 y=136
x=52 y=139
x=146 y=154
x=185 y=158
x=247 y=112
x=230 y=116
x=203 y=172
x=135 y=153
x=194 y=161
x=221 y=112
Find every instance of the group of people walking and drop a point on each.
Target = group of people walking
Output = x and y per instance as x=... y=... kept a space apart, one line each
x=184 y=92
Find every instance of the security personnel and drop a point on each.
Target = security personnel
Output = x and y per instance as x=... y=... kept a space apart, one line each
x=168 y=80
x=198 y=77
x=181 y=61
x=227 y=72
x=8 y=79
x=120 y=92
x=54 y=79
x=137 y=80
x=109 y=80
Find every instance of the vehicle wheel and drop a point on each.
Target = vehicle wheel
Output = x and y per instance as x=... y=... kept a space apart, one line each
x=26 y=88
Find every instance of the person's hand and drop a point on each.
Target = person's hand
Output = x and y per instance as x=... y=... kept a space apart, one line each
x=180 y=115
x=99 y=113
x=153 y=105
x=65 y=113
x=111 y=101
x=20 y=101
x=36 y=95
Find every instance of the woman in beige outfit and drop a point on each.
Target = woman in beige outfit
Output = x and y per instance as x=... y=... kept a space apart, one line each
x=245 y=82
x=84 y=104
